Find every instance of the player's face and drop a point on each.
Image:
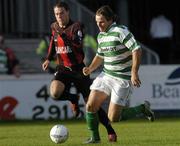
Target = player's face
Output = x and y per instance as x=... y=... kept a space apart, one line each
x=62 y=16
x=102 y=23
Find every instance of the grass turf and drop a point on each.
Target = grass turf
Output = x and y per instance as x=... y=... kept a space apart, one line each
x=162 y=132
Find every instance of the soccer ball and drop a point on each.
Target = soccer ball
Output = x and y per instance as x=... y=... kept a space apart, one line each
x=59 y=133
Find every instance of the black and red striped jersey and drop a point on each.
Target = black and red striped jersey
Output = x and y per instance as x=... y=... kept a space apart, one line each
x=67 y=44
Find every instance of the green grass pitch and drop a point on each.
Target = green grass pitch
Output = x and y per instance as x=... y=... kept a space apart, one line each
x=162 y=132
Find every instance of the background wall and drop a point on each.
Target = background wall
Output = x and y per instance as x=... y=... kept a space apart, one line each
x=28 y=97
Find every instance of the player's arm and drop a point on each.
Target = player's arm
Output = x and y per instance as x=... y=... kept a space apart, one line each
x=51 y=48
x=127 y=38
x=136 y=60
x=51 y=53
x=97 y=61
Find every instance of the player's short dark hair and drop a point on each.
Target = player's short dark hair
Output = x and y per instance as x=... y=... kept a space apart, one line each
x=62 y=5
x=107 y=12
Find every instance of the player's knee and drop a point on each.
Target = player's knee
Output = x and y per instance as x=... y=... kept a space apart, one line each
x=56 y=89
x=90 y=107
x=55 y=95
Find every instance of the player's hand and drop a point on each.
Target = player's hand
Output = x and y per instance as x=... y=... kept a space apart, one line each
x=86 y=71
x=45 y=65
x=135 y=80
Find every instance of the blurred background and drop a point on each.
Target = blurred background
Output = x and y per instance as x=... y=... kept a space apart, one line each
x=25 y=25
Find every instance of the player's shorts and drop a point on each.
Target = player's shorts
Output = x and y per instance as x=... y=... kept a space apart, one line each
x=67 y=76
x=118 y=90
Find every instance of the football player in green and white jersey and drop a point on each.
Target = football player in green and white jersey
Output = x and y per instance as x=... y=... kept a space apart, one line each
x=120 y=55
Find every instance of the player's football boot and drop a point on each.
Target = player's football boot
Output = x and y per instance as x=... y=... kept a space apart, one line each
x=112 y=137
x=92 y=140
x=75 y=106
x=149 y=114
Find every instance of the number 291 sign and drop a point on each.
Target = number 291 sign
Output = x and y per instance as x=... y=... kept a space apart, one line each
x=30 y=99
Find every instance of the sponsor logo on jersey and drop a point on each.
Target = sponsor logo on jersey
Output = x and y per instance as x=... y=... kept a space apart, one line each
x=63 y=50
x=109 y=49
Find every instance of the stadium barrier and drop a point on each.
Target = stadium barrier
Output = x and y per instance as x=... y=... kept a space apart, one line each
x=28 y=97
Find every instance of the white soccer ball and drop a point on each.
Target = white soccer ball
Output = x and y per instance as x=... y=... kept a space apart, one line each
x=59 y=133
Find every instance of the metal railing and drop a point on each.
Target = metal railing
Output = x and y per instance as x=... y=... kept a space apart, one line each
x=149 y=56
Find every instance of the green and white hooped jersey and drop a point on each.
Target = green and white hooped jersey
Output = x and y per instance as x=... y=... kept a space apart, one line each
x=116 y=46
x=3 y=62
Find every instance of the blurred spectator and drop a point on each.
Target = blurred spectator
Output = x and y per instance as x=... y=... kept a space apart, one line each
x=42 y=47
x=90 y=47
x=161 y=31
x=9 y=64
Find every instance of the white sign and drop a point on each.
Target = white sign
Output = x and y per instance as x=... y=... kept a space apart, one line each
x=28 y=98
x=160 y=86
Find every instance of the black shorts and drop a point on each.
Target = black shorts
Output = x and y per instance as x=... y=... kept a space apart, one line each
x=68 y=76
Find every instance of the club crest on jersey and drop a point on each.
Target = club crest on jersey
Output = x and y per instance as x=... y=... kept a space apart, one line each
x=80 y=35
x=63 y=50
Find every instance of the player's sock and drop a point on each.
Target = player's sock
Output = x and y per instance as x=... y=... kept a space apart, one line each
x=74 y=98
x=93 y=124
x=132 y=112
x=105 y=121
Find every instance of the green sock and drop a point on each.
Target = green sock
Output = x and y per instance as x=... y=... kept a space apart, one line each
x=93 y=124
x=132 y=112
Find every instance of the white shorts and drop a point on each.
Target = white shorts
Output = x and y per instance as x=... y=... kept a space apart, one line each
x=118 y=90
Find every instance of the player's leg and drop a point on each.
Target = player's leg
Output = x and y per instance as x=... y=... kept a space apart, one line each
x=124 y=113
x=138 y=111
x=121 y=92
x=95 y=100
x=119 y=101
x=119 y=112
x=83 y=86
x=132 y=112
x=128 y=112
x=59 y=91
x=56 y=89
x=103 y=118
x=114 y=112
